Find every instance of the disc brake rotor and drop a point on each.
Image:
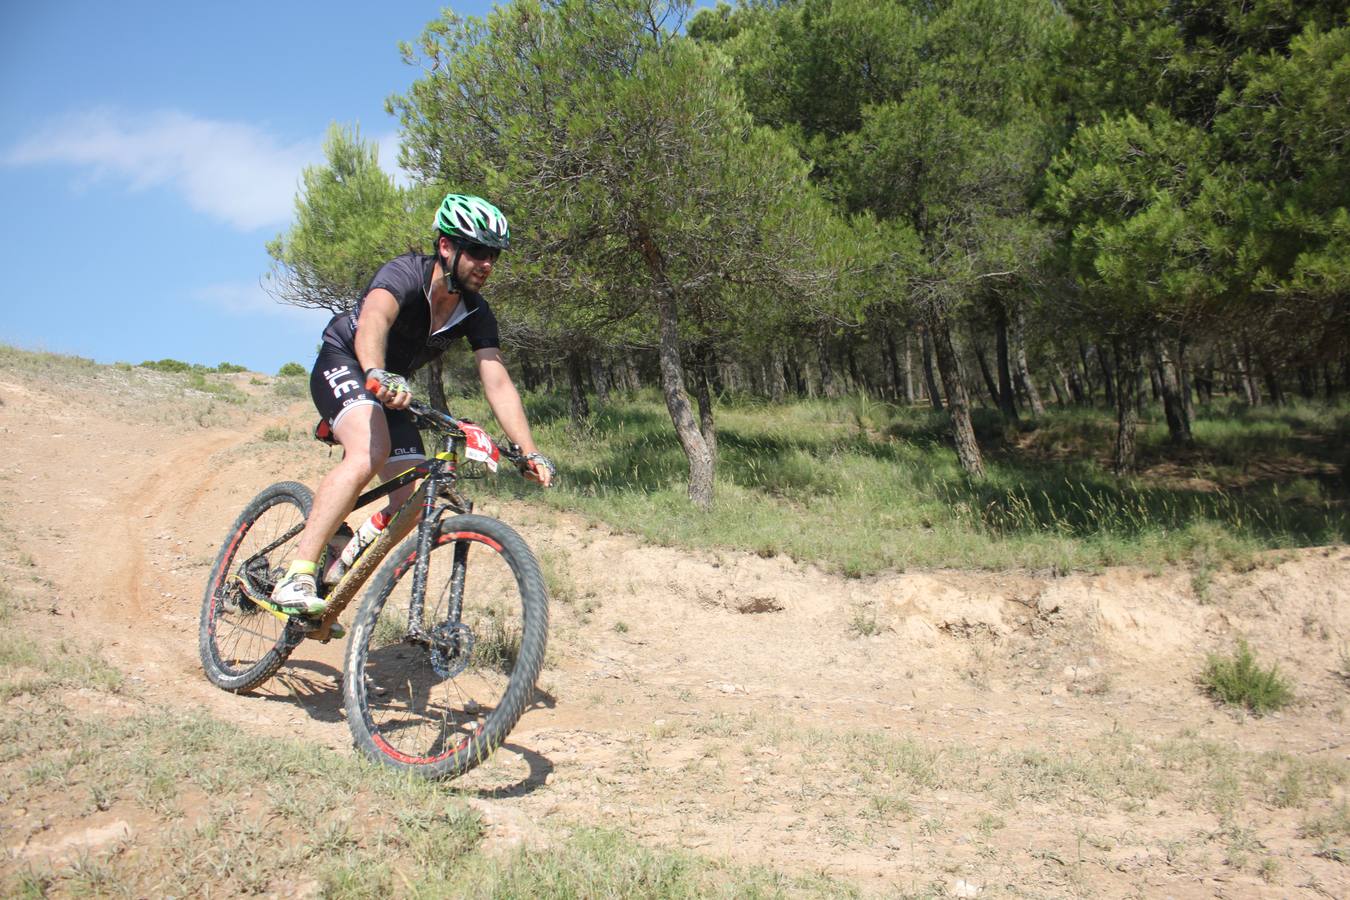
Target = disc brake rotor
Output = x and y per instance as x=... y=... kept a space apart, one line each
x=451 y=648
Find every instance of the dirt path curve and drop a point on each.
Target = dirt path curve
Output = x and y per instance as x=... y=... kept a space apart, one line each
x=900 y=731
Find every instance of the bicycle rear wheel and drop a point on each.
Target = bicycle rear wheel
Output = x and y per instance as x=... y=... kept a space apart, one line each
x=240 y=643
x=439 y=706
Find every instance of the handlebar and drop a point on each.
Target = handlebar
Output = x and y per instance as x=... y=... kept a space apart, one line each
x=505 y=448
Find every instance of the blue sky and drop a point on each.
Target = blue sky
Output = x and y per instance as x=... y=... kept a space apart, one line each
x=148 y=151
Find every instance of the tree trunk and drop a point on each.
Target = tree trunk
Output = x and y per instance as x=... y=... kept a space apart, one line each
x=707 y=364
x=892 y=362
x=981 y=358
x=1127 y=413
x=1108 y=377
x=1023 y=370
x=672 y=379
x=578 y=408
x=1174 y=408
x=1272 y=380
x=909 y=372
x=860 y=384
x=829 y=385
x=1060 y=398
x=1184 y=375
x=1087 y=374
x=933 y=394
x=600 y=378
x=435 y=383
x=1007 y=401
x=1072 y=392
x=1141 y=376
x=963 y=431
x=777 y=382
x=1307 y=382
x=1204 y=381
x=1080 y=393
x=1245 y=382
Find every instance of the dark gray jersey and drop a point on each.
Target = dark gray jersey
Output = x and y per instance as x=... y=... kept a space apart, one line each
x=411 y=343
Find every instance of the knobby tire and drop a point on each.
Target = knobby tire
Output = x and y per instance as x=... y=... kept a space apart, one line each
x=242 y=645
x=405 y=714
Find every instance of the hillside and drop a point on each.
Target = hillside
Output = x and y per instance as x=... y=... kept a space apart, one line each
x=918 y=733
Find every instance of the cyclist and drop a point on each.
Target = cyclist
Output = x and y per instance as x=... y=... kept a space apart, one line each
x=414 y=308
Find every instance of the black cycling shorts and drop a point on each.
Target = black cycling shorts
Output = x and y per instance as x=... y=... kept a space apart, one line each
x=337 y=384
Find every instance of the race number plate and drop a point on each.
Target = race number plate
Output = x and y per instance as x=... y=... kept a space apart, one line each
x=478 y=446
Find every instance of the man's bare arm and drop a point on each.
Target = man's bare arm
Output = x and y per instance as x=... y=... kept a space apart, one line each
x=378 y=311
x=504 y=399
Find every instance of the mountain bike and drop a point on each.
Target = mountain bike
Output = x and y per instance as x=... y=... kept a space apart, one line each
x=443 y=655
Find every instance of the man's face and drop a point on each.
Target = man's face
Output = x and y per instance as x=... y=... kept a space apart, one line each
x=475 y=264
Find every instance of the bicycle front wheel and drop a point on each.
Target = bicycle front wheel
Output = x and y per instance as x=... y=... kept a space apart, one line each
x=240 y=643
x=440 y=702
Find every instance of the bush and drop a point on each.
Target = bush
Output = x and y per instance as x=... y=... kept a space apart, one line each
x=290 y=370
x=290 y=388
x=178 y=367
x=174 y=366
x=1239 y=681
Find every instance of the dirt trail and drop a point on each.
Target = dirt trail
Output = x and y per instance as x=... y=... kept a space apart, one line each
x=951 y=731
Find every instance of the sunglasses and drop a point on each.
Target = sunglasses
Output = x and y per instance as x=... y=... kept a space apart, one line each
x=480 y=252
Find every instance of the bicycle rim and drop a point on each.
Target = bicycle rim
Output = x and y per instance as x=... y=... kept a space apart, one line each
x=441 y=710
x=241 y=644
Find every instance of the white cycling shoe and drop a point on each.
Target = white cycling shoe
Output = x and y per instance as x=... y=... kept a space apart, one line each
x=297 y=595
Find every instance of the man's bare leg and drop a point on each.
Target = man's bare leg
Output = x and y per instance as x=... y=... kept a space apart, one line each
x=364 y=436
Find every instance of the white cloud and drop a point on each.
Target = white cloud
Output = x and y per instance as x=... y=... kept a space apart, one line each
x=229 y=170
x=248 y=298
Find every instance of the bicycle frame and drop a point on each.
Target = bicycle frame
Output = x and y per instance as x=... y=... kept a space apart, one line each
x=422 y=511
x=425 y=507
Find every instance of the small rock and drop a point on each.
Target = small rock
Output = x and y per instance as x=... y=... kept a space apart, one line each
x=81 y=843
x=964 y=888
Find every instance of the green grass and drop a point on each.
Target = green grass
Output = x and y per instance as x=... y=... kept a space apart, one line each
x=291 y=388
x=220 y=812
x=1239 y=680
x=27 y=668
x=864 y=487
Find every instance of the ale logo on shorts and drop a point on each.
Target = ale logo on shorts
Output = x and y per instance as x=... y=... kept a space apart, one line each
x=339 y=384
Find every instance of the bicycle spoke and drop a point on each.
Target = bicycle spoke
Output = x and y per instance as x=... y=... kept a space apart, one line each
x=434 y=702
x=241 y=644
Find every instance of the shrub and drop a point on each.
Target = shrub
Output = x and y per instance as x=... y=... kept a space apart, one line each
x=1239 y=681
x=291 y=369
x=228 y=368
x=290 y=388
x=174 y=366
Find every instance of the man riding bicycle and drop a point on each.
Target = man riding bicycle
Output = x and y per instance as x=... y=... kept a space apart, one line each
x=415 y=307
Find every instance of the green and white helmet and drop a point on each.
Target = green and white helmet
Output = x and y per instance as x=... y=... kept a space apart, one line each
x=473 y=219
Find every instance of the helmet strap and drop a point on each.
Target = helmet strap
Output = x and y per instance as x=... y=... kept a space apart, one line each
x=451 y=275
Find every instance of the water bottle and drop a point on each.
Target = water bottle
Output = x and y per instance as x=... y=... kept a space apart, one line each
x=364 y=537
x=333 y=568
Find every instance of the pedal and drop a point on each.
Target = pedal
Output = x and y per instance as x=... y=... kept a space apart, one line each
x=313 y=628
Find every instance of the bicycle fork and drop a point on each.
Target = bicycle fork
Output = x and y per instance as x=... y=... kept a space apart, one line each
x=428 y=530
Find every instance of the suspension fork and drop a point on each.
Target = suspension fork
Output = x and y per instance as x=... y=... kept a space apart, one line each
x=426 y=534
